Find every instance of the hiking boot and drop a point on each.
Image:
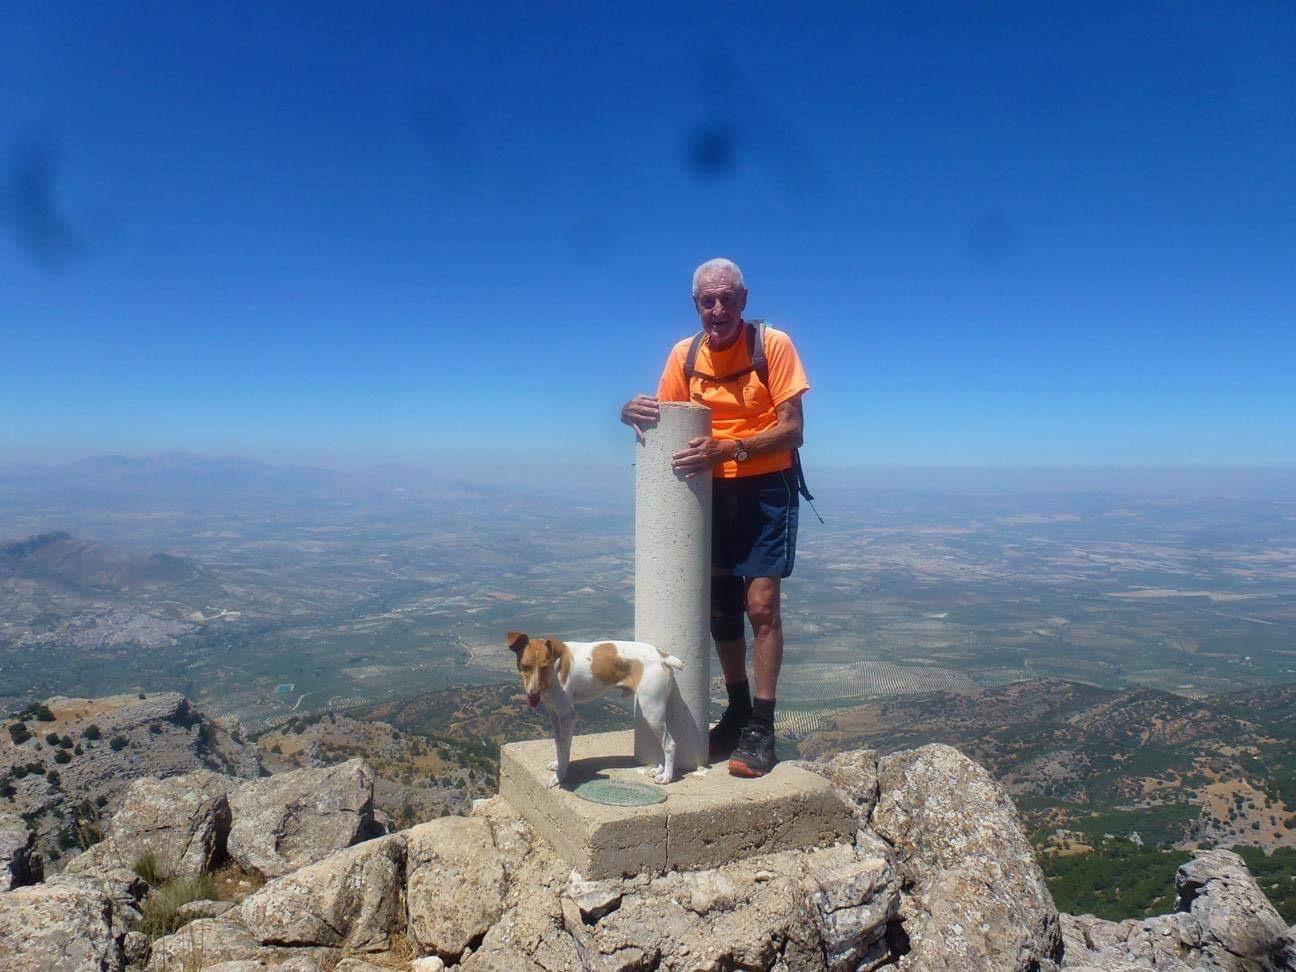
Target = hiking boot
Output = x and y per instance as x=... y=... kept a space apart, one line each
x=723 y=736
x=754 y=755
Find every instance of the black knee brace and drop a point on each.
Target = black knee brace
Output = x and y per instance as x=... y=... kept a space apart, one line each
x=728 y=604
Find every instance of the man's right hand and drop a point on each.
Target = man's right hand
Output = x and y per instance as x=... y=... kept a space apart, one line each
x=640 y=413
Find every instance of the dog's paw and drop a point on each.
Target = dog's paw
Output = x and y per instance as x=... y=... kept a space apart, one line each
x=553 y=765
x=552 y=781
x=658 y=775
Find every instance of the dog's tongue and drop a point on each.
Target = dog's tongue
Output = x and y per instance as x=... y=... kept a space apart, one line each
x=533 y=700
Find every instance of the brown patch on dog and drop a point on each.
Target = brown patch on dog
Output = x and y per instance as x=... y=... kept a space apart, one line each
x=560 y=652
x=607 y=665
x=517 y=641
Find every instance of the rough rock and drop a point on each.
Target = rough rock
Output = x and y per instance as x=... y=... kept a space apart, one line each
x=1240 y=929
x=204 y=908
x=210 y=942
x=353 y=900
x=456 y=884
x=852 y=900
x=1223 y=922
x=295 y=963
x=293 y=819
x=593 y=899
x=1159 y=943
x=59 y=926
x=855 y=775
x=183 y=820
x=974 y=897
x=20 y=862
x=428 y=963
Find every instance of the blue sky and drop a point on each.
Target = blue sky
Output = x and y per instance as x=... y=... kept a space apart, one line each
x=1000 y=234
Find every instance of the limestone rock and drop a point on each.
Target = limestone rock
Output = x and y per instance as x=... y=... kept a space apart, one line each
x=293 y=819
x=135 y=947
x=593 y=899
x=20 y=863
x=209 y=943
x=183 y=820
x=192 y=910
x=852 y=900
x=1239 y=927
x=59 y=926
x=1164 y=943
x=975 y=898
x=456 y=885
x=353 y=899
x=429 y=963
x=855 y=775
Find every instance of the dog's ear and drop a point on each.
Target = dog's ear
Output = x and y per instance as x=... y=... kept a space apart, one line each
x=517 y=641
x=552 y=652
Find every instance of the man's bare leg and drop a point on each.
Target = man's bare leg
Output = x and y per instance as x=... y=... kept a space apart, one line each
x=732 y=653
x=755 y=753
x=765 y=612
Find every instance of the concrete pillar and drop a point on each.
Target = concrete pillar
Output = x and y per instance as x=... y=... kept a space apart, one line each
x=673 y=577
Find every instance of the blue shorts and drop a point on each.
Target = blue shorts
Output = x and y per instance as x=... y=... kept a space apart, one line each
x=754 y=524
x=753 y=534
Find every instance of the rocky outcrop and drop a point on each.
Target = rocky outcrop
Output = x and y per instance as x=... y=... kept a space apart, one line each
x=455 y=885
x=20 y=862
x=284 y=822
x=74 y=786
x=351 y=900
x=60 y=926
x=183 y=821
x=1222 y=921
x=938 y=876
x=973 y=895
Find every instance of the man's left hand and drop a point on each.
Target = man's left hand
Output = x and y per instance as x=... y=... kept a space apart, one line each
x=701 y=454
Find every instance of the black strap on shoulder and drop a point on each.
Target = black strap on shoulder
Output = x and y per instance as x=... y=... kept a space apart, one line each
x=755 y=357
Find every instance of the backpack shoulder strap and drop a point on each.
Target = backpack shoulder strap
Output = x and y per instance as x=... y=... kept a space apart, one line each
x=756 y=350
x=690 y=360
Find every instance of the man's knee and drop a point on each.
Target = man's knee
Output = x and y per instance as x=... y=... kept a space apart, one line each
x=727 y=597
x=763 y=606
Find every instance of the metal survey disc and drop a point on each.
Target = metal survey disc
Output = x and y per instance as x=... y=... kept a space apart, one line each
x=616 y=793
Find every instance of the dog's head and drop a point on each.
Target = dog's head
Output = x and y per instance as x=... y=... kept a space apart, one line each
x=535 y=662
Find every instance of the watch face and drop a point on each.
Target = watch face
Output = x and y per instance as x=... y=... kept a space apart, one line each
x=741 y=455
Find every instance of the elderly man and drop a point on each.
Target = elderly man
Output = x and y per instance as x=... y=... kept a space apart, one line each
x=751 y=378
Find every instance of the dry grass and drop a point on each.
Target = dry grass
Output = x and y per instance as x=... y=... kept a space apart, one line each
x=232 y=883
x=161 y=907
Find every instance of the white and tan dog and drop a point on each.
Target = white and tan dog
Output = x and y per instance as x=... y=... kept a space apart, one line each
x=562 y=673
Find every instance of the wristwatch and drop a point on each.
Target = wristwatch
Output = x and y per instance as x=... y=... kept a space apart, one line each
x=742 y=455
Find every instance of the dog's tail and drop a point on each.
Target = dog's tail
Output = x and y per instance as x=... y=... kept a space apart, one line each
x=669 y=660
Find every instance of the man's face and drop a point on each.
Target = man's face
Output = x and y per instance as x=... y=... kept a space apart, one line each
x=720 y=306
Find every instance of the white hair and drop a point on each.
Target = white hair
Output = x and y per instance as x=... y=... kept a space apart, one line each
x=715 y=266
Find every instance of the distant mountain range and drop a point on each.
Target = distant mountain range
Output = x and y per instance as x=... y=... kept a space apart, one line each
x=87 y=565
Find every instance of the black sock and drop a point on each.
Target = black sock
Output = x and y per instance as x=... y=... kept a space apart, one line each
x=740 y=702
x=763 y=712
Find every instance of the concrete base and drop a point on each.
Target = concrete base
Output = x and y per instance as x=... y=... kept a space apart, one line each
x=708 y=819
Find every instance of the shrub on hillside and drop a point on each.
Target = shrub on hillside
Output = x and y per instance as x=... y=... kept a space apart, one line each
x=54 y=778
x=119 y=743
x=19 y=733
x=52 y=738
x=40 y=712
x=65 y=742
x=62 y=756
x=91 y=732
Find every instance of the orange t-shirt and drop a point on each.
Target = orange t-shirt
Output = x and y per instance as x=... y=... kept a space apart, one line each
x=744 y=406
